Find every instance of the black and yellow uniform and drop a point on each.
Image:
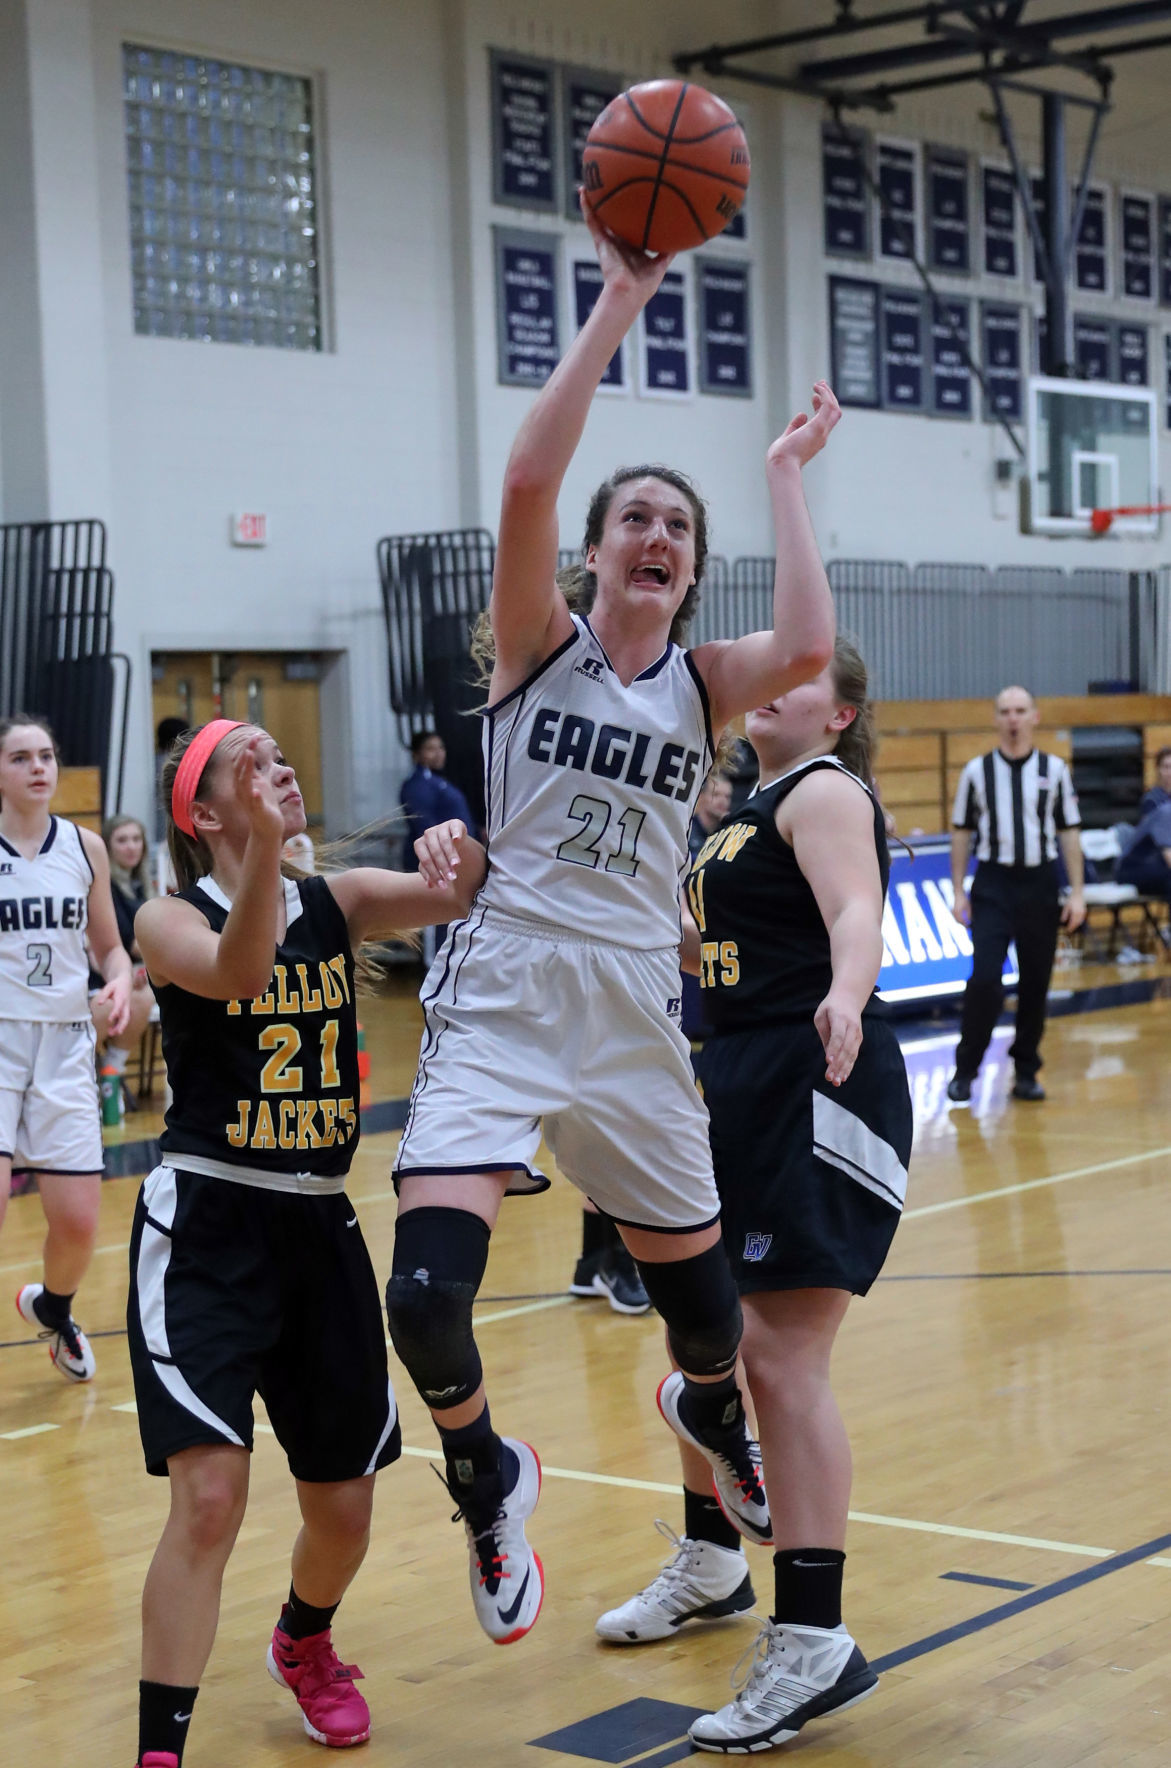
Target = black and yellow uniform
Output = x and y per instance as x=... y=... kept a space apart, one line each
x=811 y=1177
x=249 y=1273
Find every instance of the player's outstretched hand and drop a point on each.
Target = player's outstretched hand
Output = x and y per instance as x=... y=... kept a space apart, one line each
x=624 y=267
x=806 y=436
x=839 y=1026
x=116 y=996
x=437 y=852
x=255 y=793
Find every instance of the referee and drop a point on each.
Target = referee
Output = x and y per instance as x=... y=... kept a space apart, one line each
x=1020 y=803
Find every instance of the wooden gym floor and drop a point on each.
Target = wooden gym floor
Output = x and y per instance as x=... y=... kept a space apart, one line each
x=1006 y=1386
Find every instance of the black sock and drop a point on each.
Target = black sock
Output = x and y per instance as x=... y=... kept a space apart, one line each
x=163 y=1715
x=809 y=1586
x=598 y=1233
x=52 y=1310
x=300 y=1620
x=475 y=1456
x=714 y=1405
x=703 y=1520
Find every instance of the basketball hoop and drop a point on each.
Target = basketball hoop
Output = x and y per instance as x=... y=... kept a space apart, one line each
x=1100 y=520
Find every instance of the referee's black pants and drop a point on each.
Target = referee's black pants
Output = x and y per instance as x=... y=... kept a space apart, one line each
x=1009 y=903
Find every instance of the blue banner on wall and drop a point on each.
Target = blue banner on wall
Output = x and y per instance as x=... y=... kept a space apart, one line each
x=897 y=175
x=1133 y=356
x=948 y=228
x=1164 y=244
x=998 y=214
x=845 y=200
x=1093 y=352
x=523 y=163
x=1000 y=327
x=853 y=333
x=1090 y=260
x=665 y=366
x=903 y=353
x=1138 y=246
x=926 y=953
x=587 y=286
x=951 y=346
x=725 y=340
x=584 y=96
x=528 y=344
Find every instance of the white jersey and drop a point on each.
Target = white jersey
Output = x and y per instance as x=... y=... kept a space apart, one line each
x=591 y=787
x=44 y=911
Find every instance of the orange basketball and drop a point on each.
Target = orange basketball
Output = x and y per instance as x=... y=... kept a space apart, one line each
x=665 y=166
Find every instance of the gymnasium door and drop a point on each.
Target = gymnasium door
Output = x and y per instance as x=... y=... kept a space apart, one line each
x=279 y=690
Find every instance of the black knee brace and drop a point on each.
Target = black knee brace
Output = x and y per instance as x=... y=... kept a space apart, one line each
x=697 y=1298
x=438 y=1265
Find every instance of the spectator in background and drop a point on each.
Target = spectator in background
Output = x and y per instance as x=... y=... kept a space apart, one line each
x=428 y=798
x=130 y=886
x=1146 y=862
x=1158 y=795
x=711 y=807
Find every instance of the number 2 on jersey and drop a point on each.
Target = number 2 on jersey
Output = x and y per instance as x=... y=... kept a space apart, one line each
x=40 y=956
x=278 y=1076
x=583 y=848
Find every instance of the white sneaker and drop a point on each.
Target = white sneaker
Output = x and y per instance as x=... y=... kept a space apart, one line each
x=795 y=1674
x=734 y=1459
x=507 y=1578
x=699 y=1582
x=68 y=1345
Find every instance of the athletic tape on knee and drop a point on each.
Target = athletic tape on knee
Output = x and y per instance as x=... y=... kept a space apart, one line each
x=698 y=1301
x=438 y=1265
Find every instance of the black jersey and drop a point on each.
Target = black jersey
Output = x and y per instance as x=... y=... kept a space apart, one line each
x=270 y=1083
x=765 y=951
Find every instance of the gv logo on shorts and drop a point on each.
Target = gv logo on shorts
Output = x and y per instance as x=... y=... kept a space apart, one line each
x=756 y=1247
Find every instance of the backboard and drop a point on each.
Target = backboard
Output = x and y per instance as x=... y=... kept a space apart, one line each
x=1091 y=445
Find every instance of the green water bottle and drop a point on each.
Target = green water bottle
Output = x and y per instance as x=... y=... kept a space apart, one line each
x=110 y=1093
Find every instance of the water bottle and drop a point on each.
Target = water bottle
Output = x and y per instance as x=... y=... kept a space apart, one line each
x=110 y=1093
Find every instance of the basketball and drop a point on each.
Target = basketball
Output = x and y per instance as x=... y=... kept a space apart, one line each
x=665 y=166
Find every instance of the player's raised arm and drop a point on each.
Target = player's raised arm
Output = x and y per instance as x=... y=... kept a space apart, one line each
x=529 y=616
x=751 y=671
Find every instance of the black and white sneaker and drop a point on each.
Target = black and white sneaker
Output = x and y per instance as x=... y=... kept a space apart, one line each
x=795 y=1674
x=699 y=1582
x=584 y=1273
x=734 y=1458
x=617 y=1278
x=68 y=1345
x=507 y=1578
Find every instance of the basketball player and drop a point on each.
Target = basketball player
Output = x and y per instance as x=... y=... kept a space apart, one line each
x=249 y=1273
x=54 y=891
x=811 y=1134
x=558 y=998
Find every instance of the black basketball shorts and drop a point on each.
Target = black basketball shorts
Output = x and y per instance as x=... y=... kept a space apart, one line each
x=811 y=1177
x=237 y=1290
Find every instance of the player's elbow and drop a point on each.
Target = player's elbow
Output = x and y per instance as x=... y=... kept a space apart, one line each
x=810 y=659
x=527 y=483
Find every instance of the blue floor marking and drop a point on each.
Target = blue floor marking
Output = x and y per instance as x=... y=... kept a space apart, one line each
x=996 y=1583
x=992 y=1617
x=629 y=1730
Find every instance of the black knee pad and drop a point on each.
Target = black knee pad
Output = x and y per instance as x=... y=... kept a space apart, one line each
x=698 y=1301
x=438 y=1265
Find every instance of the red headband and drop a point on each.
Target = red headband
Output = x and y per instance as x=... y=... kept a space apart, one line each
x=190 y=770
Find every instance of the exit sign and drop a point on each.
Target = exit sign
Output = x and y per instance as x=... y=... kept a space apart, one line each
x=250 y=529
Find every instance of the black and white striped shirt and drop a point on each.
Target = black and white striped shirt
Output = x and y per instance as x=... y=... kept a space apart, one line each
x=1016 y=807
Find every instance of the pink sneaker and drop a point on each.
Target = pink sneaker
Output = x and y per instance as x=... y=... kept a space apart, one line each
x=158 y=1759
x=332 y=1710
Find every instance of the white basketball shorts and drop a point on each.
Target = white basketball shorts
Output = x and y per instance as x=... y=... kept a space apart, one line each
x=49 y=1114
x=525 y=1023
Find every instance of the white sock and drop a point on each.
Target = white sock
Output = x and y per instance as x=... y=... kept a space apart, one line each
x=116 y=1058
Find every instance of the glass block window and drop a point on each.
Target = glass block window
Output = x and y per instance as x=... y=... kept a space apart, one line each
x=223 y=208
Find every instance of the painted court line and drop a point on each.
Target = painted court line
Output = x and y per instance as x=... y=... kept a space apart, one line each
x=531 y=1307
x=14 y=1436
x=1021 y=1604
x=1077 y=1172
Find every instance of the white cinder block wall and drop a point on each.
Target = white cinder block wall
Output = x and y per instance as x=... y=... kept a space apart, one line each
x=399 y=425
